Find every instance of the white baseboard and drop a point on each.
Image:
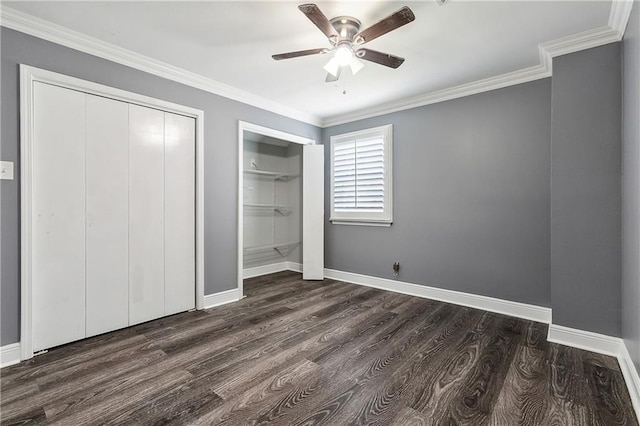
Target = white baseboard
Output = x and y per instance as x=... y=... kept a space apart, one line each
x=586 y=340
x=271 y=269
x=222 y=298
x=293 y=266
x=631 y=377
x=506 y=307
x=602 y=344
x=9 y=354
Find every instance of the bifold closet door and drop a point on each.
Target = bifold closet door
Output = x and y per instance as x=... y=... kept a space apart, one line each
x=107 y=177
x=146 y=214
x=179 y=214
x=58 y=217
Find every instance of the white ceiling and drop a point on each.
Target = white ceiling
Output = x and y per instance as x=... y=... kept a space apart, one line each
x=232 y=43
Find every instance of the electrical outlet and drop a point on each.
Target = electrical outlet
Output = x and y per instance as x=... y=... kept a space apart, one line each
x=396 y=269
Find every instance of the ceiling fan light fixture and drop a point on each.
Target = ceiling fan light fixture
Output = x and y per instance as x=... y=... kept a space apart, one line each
x=332 y=67
x=343 y=55
x=355 y=65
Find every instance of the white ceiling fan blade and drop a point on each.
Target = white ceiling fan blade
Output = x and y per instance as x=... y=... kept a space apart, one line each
x=355 y=65
x=332 y=67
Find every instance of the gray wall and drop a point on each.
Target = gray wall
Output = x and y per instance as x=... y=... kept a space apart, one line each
x=631 y=188
x=220 y=152
x=586 y=190
x=471 y=197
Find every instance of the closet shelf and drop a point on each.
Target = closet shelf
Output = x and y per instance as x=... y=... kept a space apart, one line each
x=277 y=208
x=273 y=175
x=281 y=248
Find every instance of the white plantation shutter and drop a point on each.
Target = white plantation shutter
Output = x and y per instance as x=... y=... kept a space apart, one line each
x=361 y=177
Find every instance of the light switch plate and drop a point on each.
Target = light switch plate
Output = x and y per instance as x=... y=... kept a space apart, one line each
x=6 y=170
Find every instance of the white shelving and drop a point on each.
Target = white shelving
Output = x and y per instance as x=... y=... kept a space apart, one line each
x=268 y=174
x=280 y=209
x=272 y=203
x=283 y=249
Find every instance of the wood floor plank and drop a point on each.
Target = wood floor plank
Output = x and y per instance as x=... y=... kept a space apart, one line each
x=179 y=405
x=265 y=339
x=567 y=379
x=610 y=396
x=409 y=417
x=321 y=352
x=369 y=369
x=67 y=356
x=142 y=386
x=244 y=408
x=482 y=384
x=239 y=377
x=523 y=399
x=77 y=388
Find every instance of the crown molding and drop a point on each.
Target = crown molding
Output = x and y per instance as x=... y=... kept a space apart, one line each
x=618 y=18
x=581 y=41
x=492 y=83
x=546 y=51
x=19 y=21
x=619 y=15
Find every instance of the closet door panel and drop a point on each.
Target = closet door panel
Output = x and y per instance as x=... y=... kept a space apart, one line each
x=313 y=212
x=146 y=214
x=179 y=187
x=107 y=285
x=58 y=221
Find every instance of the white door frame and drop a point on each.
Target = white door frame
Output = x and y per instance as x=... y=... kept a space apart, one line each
x=29 y=75
x=265 y=131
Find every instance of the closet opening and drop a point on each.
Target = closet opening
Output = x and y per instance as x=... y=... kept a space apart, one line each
x=278 y=177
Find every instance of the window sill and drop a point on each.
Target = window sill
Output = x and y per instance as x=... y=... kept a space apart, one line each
x=359 y=223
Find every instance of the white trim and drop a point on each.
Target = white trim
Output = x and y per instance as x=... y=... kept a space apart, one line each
x=19 y=21
x=28 y=75
x=492 y=83
x=264 y=270
x=631 y=377
x=618 y=18
x=384 y=218
x=9 y=355
x=26 y=159
x=360 y=223
x=580 y=41
x=505 y=307
x=272 y=268
x=273 y=133
x=619 y=15
x=547 y=50
x=221 y=298
x=586 y=340
x=295 y=267
x=266 y=131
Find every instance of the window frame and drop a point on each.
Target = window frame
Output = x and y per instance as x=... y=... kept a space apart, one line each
x=384 y=218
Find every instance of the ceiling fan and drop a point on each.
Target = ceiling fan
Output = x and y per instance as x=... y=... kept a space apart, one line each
x=346 y=38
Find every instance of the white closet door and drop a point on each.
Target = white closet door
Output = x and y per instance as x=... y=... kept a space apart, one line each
x=107 y=285
x=58 y=221
x=146 y=214
x=313 y=212
x=179 y=226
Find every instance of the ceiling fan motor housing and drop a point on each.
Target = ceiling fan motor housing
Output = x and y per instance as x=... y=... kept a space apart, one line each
x=346 y=26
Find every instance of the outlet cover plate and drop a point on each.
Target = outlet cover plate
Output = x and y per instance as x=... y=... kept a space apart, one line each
x=6 y=170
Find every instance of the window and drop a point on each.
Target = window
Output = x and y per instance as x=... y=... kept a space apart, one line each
x=361 y=177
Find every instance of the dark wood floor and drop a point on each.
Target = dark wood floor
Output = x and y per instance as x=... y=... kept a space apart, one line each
x=312 y=353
